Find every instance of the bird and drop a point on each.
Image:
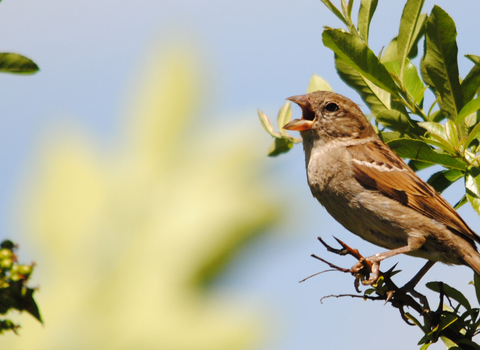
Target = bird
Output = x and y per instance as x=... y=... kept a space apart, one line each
x=365 y=186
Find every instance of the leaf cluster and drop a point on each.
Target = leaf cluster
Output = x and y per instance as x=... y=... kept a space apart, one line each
x=394 y=84
x=14 y=293
x=455 y=321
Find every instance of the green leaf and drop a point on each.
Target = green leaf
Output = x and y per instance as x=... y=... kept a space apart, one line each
x=450 y=344
x=471 y=136
x=418 y=34
x=468 y=344
x=267 y=125
x=451 y=292
x=365 y=14
x=353 y=51
x=419 y=150
x=412 y=82
x=436 y=129
x=461 y=202
x=441 y=180
x=439 y=65
x=437 y=136
x=451 y=131
x=284 y=116
x=317 y=83
x=472 y=184
x=471 y=120
x=376 y=99
x=471 y=84
x=406 y=35
x=350 y=7
x=397 y=121
x=388 y=136
x=390 y=53
x=279 y=146
x=15 y=63
x=476 y=281
x=417 y=165
x=471 y=107
x=425 y=346
x=414 y=320
x=335 y=11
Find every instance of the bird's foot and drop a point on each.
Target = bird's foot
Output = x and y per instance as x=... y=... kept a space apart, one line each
x=367 y=270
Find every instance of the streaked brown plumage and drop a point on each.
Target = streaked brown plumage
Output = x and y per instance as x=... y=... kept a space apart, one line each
x=370 y=190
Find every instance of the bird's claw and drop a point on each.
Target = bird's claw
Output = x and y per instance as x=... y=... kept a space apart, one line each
x=366 y=270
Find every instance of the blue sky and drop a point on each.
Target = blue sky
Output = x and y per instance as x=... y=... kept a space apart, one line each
x=255 y=54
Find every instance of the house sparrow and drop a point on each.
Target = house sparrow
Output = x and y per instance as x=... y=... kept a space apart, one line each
x=368 y=188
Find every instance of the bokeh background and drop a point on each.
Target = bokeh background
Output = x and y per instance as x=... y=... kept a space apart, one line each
x=134 y=174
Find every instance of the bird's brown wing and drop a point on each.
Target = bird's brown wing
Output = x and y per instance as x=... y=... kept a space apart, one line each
x=379 y=168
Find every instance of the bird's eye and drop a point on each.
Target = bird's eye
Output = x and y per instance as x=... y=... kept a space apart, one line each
x=332 y=107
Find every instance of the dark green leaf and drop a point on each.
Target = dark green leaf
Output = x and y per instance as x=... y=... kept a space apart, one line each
x=365 y=14
x=476 y=281
x=397 y=121
x=436 y=116
x=406 y=35
x=451 y=292
x=279 y=146
x=419 y=150
x=353 y=51
x=443 y=179
x=414 y=320
x=335 y=11
x=471 y=84
x=439 y=65
x=417 y=165
x=461 y=202
x=15 y=63
x=468 y=344
x=472 y=185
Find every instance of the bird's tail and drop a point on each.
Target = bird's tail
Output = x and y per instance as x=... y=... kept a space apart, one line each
x=473 y=260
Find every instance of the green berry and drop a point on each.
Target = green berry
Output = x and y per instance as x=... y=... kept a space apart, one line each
x=5 y=253
x=6 y=264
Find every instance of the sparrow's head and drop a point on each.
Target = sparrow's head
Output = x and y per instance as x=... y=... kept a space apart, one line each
x=329 y=115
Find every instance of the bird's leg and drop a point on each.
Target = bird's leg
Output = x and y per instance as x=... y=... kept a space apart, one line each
x=414 y=243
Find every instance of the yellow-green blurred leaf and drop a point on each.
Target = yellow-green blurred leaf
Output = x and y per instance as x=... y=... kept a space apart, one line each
x=317 y=83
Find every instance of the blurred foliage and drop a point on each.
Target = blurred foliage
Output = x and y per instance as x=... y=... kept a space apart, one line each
x=128 y=238
x=14 y=293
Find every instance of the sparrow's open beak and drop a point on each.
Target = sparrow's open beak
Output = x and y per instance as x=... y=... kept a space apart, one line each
x=304 y=123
